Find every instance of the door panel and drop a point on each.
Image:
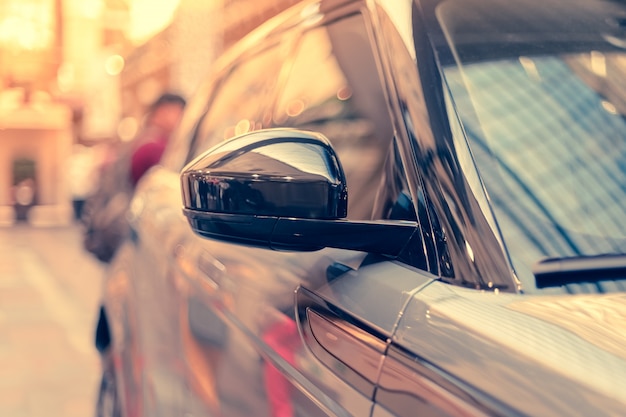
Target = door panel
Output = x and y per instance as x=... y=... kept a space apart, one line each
x=243 y=344
x=259 y=363
x=156 y=229
x=341 y=343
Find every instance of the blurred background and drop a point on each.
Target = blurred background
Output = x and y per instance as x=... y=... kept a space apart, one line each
x=76 y=75
x=76 y=78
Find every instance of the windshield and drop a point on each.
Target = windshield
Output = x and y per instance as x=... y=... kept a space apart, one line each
x=543 y=107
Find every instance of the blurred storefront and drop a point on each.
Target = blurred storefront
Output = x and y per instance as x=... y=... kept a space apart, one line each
x=34 y=138
x=35 y=131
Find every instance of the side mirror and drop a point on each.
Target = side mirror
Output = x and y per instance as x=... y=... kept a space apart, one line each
x=280 y=189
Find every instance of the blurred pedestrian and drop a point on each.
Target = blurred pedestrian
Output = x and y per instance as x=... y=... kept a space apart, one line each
x=162 y=119
x=104 y=216
x=83 y=174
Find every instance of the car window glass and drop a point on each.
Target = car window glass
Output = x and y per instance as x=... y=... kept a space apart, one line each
x=555 y=183
x=242 y=102
x=334 y=88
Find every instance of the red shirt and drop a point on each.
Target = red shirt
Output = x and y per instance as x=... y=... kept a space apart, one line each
x=145 y=156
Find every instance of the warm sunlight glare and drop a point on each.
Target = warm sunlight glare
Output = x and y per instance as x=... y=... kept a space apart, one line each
x=148 y=17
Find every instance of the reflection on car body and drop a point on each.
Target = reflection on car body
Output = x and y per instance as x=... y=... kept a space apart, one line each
x=388 y=209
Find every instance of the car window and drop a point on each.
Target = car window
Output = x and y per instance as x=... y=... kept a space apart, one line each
x=545 y=123
x=333 y=88
x=242 y=102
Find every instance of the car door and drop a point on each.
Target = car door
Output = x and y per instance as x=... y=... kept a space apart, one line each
x=304 y=334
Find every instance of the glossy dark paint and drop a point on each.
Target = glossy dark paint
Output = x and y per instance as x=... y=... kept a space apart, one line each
x=255 y=175
x=201 y=326
x=265 y=201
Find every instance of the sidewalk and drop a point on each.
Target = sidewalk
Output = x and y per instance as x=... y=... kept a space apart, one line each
x=49 y=291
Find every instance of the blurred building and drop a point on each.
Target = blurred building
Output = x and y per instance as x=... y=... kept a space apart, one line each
x=35 y=131
x=81 y=72
x=53 y=73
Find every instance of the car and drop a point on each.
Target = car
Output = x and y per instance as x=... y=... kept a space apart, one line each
x=385 y=208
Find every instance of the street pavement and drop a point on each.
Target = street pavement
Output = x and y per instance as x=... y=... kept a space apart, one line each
x=49 y=292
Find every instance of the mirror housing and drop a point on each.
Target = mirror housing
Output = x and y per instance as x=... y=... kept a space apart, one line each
x=280 y=189
x=268 y=173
